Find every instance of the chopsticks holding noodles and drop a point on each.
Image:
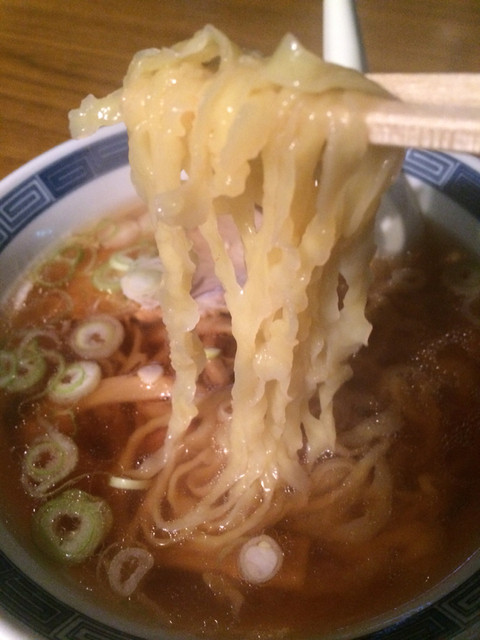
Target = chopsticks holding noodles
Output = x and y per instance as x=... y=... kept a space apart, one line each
x=437 y=111
x=454 y=89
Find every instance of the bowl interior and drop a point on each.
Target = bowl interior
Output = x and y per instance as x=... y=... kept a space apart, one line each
x=80 y=181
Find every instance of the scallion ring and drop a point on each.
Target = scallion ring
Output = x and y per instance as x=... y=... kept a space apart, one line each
x=142 y=284
x=104 y=278
x=39 y=339
x=59 y=269
x=127 y=568
x=30 y=367
x=121 y=261
x=72 y=252
x=48 y=460
x=75 y=381
x=97 y=337
x=71 y=526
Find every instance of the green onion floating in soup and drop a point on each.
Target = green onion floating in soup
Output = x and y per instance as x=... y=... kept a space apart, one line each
x=69 y=527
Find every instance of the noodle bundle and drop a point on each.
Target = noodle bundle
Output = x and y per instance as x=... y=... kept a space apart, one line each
x=266 y=162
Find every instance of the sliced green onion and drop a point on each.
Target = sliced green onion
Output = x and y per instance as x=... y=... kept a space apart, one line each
x=75 y=381
x=127 y=568
x=97 y=337
x=71 y=526
x=56 y=274
x=30 y=368
x=60 y=268
x=24 y=367
x=72 y=252
x=105 y=278
x=48 y=460
x=128 y=484
x=57 y=304
x=121 y=261
x=89 y=258
x=32 y=338
x=142 y=284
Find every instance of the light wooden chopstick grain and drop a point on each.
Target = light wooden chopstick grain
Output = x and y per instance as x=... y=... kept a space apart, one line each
x=460 y=89
x=437 y=111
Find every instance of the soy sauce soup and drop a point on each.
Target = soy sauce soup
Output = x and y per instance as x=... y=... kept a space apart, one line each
x=348 y=555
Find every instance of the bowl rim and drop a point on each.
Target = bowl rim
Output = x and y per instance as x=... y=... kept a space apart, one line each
x=61 y=150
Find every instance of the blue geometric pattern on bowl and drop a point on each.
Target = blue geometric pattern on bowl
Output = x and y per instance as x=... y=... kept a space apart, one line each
x=451 y=176
x=26 y=201
x=445 y=619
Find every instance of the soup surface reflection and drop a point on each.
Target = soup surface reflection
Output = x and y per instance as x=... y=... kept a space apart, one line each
x=84 y=402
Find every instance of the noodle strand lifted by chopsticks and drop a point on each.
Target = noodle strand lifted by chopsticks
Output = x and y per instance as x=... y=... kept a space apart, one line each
x=278 y=147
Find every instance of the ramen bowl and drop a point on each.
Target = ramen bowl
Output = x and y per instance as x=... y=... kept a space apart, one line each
x=80 y=181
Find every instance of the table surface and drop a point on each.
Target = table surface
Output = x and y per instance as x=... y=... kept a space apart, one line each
x=54 y=52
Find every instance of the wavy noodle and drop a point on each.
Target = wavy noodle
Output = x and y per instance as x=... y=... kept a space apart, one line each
x=353 y=501
x=278 y=148
x=130 y=457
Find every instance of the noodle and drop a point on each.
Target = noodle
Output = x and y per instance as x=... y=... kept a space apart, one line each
x=278 y=146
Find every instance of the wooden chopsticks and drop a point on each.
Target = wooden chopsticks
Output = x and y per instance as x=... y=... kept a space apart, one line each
x=437 y=111
x=460 y=89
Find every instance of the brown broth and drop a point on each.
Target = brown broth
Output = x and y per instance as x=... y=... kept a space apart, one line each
x=423 y=360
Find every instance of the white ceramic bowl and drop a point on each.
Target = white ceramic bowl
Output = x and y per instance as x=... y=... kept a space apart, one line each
x=81 y=180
